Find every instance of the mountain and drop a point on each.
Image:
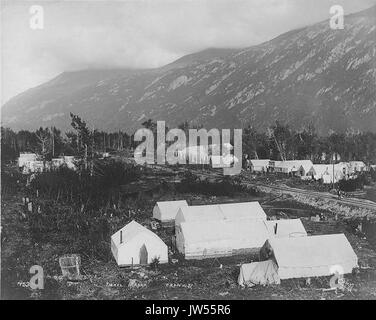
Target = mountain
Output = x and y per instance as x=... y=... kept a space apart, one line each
x=310 y=75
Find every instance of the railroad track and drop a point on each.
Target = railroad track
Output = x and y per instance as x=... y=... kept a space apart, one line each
x=365 y=204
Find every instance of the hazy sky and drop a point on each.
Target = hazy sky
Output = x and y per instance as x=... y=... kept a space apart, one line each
x=140 y=33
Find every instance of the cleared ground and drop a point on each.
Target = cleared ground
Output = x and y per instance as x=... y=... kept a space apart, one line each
x=206 y=279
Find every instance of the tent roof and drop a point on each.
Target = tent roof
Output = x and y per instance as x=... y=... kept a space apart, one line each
x=169 y=209
x=230 y=211
x=313 y=251
x=260 y=162
x=251 y=210
x=208 y=212
x=357 y=163
x=222 y=230
x=130 y=231
x=286 y=227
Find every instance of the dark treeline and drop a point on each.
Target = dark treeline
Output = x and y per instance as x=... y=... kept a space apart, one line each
x=51 y=142
x=86 y=189
x=279 y=142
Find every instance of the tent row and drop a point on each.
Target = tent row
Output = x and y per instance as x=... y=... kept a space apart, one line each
x=211 y=154
x=201 y=232
x=305 y=169
x=30 y=163
x=222 y=229
x=285 y=249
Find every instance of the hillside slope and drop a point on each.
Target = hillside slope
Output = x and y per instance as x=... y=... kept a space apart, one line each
x=314 y=74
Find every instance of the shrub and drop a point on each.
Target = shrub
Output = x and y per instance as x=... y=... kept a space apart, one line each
x=154 y=264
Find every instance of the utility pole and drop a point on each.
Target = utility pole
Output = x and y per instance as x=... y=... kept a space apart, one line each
x=53 y=141
x=104 y=141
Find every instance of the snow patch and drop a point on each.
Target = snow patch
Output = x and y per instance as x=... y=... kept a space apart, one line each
x=182 y=80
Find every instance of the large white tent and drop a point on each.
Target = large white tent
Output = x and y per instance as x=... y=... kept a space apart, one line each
x=228 y=211
x=286 y=228
x=165 y=211
x=313 y=256
x=134 y=244
x=211 y=238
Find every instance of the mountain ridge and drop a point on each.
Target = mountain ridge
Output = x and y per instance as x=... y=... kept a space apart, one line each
x=308 y=75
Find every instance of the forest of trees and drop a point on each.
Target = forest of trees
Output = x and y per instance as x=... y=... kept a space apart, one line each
x=278 y=142
x=51 y=142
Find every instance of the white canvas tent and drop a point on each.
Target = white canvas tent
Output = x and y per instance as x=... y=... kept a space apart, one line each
x=259 y=165
x=305 y=167
x=165 y=211
x=325 y=172
x=261 y=273
x=286 y=228
x=24 y=158
x=357 y=166
x=287 y=167
x=134 y=244
x=228 y=211
x=321 y=171
x=313 y=256
x=274 y=166
x=214 y=238
x=70 y=162
x=35 y=166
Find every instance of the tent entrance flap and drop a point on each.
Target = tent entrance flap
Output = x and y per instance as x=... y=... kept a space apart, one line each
x=259 y=273
x=143 y=255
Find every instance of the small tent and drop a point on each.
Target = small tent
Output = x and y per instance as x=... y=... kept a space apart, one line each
x=305 y=167
x=26 y=157
x=70 y=162
x=259 y=165
x=313 y=256
x=258 y=273
x=321 y=171
x=134 y=244
x=357 y=166
x=165 y=211
x=214 y=238
x=286 y=228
